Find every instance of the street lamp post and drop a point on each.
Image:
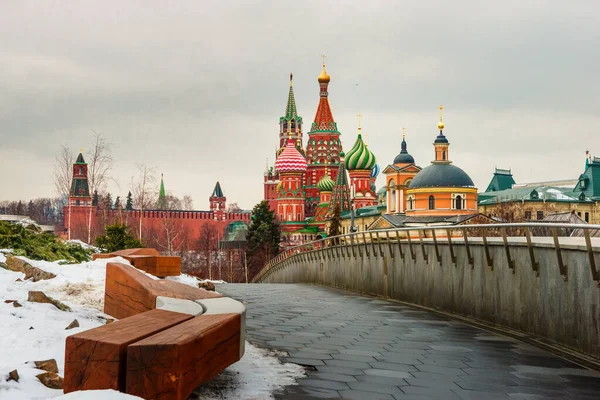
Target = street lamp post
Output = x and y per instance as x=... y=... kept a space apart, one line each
x=352 y=209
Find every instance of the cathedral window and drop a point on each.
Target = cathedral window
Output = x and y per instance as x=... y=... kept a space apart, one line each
x=431 y=202
x=458 y=202
x=540 y=215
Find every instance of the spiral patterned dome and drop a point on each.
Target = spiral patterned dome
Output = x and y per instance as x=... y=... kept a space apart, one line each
x=325 y=184
x=360 y=157
x=375 y=171
x=290 y=159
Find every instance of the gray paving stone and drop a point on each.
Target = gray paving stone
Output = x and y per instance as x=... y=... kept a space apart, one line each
x=387 y=373
x=351 y=357
x=360 y=395
x=340 y=370
x=348 y=364
x=373 y=387
x=304 y=361
x=393 y=366
x=323 y=384
x=360 y=352
x=311 y=355
x=332 y=376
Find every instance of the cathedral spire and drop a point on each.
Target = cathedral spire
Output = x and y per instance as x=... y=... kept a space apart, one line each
x=162 y=195
x=324 y=118
x=290 y=109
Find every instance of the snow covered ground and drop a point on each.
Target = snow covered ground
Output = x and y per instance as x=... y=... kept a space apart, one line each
x=36 y=332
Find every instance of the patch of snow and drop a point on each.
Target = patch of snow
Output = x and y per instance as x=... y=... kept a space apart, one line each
x=37 y=332
x=84 y=245
x=97 y=395
x=559 y=195
x=256 y=376
x=2 y=258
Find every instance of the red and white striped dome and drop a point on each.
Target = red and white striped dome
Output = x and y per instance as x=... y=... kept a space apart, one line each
x=290 y=159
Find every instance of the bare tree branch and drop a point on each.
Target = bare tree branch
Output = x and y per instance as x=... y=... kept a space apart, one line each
x=63 y=171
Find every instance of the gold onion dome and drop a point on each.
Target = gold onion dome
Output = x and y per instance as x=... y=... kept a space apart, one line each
x=324 y=78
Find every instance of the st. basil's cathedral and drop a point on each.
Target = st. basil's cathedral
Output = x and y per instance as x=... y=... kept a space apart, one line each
x=305 y=184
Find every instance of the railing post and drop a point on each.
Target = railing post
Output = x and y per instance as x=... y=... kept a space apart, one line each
x=412 y=252
x=452 y=256
x=390 y=248
x=355 y=238
x=364 y=237
x=373 y=244
x=379 y=244
x=511 y=262
x=534 y=264
x=399 y=245
x=490 y=261
x=438 y=257
x=347 y=246
x=561 y=266
x=588 y=244
x=425 y=258
x=469 y=255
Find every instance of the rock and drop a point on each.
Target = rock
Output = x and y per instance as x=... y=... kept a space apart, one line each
x=13 y=376
x=51 y=380
x=40 y=297
x=47 y=365
x=207 y=285
x=16 y=304
x=109 y=320
x=16 y=264
x=3 y=265
x=74 y=324
x=9 y=301
x=19 y=280
x=31 y=327
x=37 y=274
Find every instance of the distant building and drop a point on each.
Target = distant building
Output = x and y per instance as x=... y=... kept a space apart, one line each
x=508 y=201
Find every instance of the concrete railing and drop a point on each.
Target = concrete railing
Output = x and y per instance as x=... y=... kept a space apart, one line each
x=498 y=274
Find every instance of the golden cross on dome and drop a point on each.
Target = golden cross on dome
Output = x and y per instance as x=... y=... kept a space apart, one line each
x=403 y=132
x=441 y=124
x=324 y=57
x=81 y=150
x=441 y=108
x=359 y=117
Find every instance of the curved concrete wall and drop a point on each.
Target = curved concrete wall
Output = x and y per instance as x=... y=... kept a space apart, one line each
x=547 y=306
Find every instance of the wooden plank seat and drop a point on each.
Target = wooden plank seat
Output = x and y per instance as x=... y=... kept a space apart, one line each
x=172 y=363
x=170 y=338
x=96 y=358
x=148 y=260
x=129 y=291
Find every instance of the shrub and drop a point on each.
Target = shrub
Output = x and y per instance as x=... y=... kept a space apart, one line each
x=116 y=237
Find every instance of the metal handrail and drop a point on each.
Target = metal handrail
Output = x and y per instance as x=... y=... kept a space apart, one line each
x=374 y=238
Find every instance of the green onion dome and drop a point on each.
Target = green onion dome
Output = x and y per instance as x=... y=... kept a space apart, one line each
x=325 y=184
x=360 y=157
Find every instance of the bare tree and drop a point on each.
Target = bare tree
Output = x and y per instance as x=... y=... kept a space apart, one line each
x=207 y=244
x=63 y=170
x=233 y=207
x=144 y=196
x=187 y=203
x=100 y=163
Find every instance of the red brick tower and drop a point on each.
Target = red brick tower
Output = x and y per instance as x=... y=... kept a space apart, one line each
x=323 y=146
x=218 y=203
x=80 y=200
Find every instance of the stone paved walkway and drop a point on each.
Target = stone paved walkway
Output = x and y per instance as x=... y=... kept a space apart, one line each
x=359 y=347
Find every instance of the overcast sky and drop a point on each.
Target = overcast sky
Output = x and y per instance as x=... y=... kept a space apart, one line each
x=196 y=88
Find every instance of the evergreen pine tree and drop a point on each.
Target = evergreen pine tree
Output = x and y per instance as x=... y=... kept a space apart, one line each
x=107 y=203
x=116 y=237
x=129 y=203
x=263 y=237
x=117 y=203
x=31 y=209
x=335 y=228
x=95 y=199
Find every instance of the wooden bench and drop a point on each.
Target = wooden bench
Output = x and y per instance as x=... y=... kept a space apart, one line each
x=170 y=338
x=172 y=363
x=96 y=358
x=148 y=260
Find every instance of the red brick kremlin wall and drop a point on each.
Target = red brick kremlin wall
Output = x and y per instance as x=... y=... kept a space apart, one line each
x=164 y=230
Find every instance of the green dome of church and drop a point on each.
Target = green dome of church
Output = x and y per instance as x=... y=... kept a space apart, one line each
x=360 y=157
x=325 y=184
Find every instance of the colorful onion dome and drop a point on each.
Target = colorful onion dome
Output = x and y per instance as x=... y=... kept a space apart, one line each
x=325 y=184
x=375 y=171
x=290 y=159
x=360 y=157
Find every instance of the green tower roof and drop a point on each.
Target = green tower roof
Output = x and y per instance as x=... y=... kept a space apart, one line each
x=217 y=192
x=502 y=180
x=80 y=159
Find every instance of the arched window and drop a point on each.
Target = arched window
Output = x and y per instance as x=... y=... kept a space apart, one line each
x=459 y=203
x=80 y=170
x=444 y=155
x=410 y=202
x=431 y=203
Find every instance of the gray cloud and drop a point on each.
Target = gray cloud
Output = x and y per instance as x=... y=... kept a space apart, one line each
x=196 y=88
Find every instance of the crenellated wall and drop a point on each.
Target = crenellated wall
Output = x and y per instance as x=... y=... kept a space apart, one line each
x=565 y=312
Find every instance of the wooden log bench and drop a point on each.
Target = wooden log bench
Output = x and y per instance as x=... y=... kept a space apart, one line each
x=170 y=338
x=148 y=260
